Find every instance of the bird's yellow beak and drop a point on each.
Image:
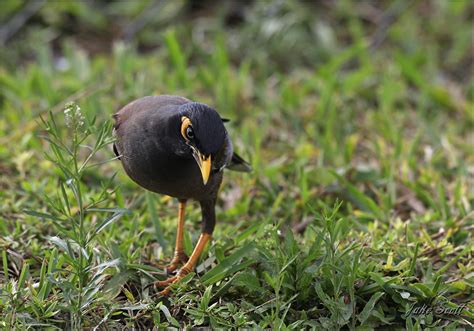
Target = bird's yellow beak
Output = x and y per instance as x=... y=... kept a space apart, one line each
x=204 y=163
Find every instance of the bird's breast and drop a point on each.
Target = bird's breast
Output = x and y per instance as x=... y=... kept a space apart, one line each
x=166 y=173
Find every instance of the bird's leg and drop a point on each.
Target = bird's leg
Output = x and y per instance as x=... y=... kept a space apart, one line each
x=208 y=223
x=179 y=255
x=204 y=238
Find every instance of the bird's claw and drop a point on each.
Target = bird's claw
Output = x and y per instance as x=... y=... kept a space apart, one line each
x=179 y=258
x=165 y=292
x=166 y=282
x=170 y=281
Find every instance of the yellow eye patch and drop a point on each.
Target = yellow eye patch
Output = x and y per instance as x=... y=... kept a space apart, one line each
x=185 y=125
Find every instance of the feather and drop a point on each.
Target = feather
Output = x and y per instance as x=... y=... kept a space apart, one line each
x=116 y=151
x=239 y=164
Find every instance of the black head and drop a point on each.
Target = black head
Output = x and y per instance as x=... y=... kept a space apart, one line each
x=203 y=131
x=204 y=126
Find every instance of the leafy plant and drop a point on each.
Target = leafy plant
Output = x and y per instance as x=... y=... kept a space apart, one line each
x=81 y=273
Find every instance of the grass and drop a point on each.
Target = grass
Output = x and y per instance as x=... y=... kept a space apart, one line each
x=359 y=209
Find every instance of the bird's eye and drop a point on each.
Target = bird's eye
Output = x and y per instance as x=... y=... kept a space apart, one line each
x=190 y=132
x=187 y=129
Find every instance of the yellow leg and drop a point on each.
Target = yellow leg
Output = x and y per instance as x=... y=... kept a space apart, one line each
x=179 y=255
x=204 y=238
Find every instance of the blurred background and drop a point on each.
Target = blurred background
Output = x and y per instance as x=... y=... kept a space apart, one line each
x=315 y=67
x=271 y=36
x=308 y=85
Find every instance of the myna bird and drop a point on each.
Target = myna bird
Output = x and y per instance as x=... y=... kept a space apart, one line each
x=174 y=146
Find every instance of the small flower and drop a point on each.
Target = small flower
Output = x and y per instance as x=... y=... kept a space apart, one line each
x=74 y=117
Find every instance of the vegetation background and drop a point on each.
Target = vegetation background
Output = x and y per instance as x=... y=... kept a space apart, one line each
x=357 y=117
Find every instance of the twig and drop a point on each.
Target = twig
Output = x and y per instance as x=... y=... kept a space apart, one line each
x=18 y=20
x=148 y=13
x=390 y=16
x=32 y=124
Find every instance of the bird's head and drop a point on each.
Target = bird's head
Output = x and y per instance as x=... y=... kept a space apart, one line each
x=203 y=133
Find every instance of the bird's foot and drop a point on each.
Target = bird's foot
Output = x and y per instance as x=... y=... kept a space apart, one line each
x=187 y=267
x=172 y=280
x=179 y=258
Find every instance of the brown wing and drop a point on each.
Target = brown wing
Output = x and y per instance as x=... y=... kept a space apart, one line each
x=134 y=108
x=144 y=104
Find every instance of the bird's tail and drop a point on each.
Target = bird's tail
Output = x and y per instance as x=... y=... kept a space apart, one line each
x=239 y=164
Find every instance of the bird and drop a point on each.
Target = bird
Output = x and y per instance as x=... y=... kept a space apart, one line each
x=171 y=145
